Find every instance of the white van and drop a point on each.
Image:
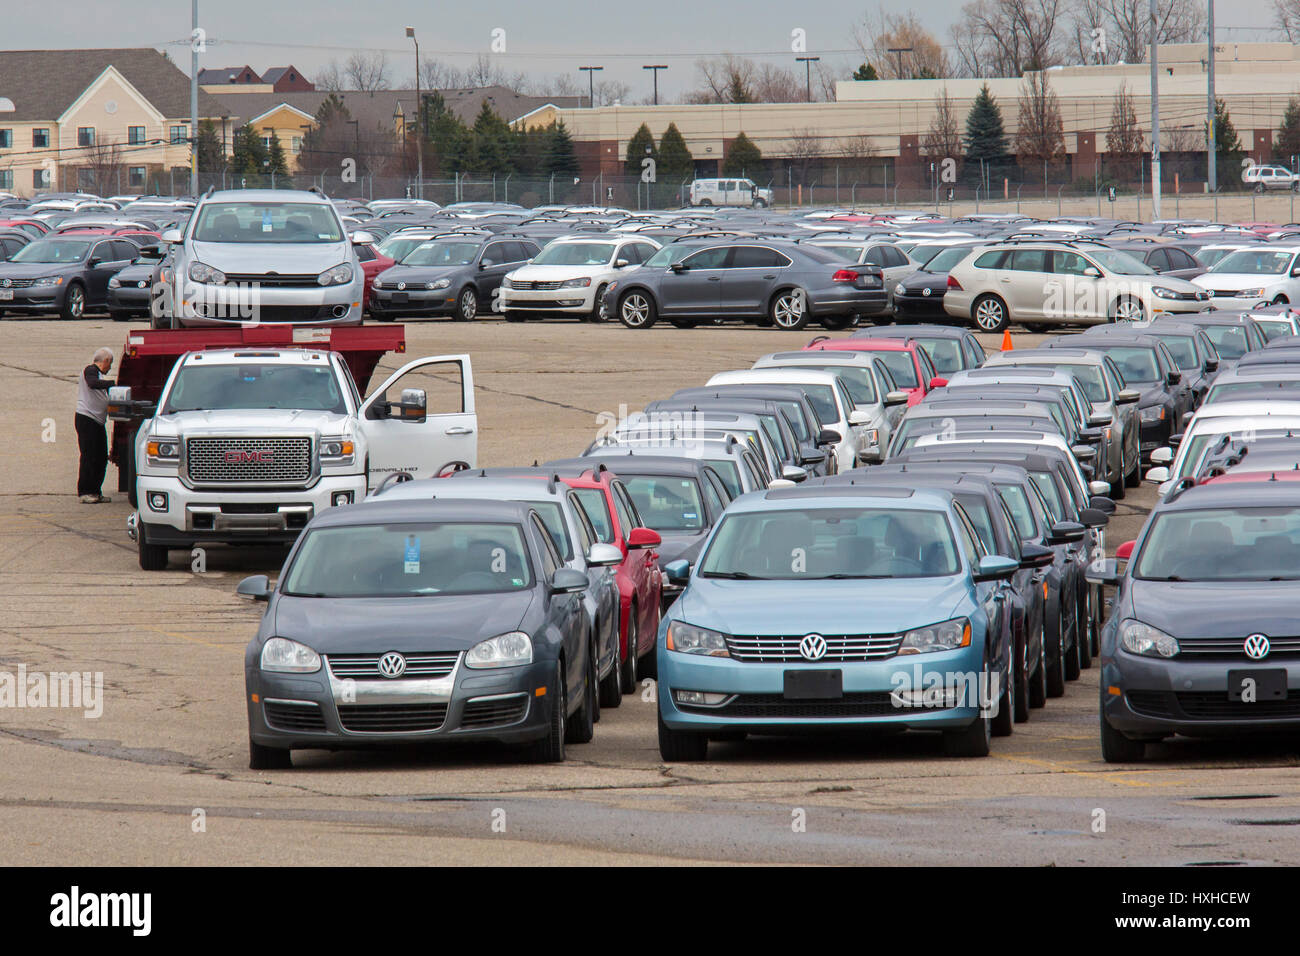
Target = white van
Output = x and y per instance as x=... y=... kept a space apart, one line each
x=729 y=192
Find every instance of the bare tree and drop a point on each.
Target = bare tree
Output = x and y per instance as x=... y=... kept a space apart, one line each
x=877 y=35
x=1124 y=136
x=609 y=92
x=943 y=139
x=1183 y=139
x=1008 y=37
x=804 y=148
x=329 y=78
x=104 y=159
x=367 y=72
x=725 y=79
x=1118 y=31
x=1286 y=18
x=1040 y=135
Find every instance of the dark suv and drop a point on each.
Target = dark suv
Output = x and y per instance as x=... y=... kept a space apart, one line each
x=456 y=274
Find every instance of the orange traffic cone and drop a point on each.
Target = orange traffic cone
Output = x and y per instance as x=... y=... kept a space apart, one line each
x=1006 y=341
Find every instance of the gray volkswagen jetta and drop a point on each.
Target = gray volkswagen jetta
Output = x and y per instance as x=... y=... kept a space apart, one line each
x=412 y=622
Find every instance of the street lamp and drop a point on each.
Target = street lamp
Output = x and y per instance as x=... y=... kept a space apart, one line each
x=655 y=68
x=807 y=62
x=419 y=111
x=591 y=72
x=900 y=50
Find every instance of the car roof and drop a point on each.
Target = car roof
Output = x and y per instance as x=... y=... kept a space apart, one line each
x=648 y=464
x=268 y=195
x=864 y=344
x=832 y=496
x=1266 y=492
x=384 y=509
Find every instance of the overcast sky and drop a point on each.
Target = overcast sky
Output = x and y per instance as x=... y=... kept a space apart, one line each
x=542 y=38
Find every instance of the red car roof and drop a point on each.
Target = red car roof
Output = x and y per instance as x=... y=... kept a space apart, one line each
x=862 y=345
x=1254 y=476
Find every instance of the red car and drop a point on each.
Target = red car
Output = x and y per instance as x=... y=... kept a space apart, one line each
x=33 y=226
x=907 y=360
x=372 y=263
x=605 y=500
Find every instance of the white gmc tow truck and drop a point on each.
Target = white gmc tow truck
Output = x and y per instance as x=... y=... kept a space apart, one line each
x=247 y=440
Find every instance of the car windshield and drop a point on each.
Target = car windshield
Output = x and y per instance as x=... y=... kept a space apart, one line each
x=289 y=222
x=409 y=560
x=945 y=353
x=857 y=382
x=575 y=254
x=1222 y=544
x=1092 y=380
x=1229 y=340
x=397 y=247
x=944 y=260
x=1137 y=364
x=47 y=250
x=1182 y=348
x=807 y=544
x=1274 y=328
x=729 y=473
x=901 y=366
x=252 y=385
x=442 y=254
x=1254 y=262
x=1121 y=262
x=667 y=503
x=1222 y=391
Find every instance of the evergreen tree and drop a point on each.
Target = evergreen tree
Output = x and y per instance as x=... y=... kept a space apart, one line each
x=1287 y=142
x=448 y=143
x=211 y=157
x=249 y=158
x=986 y=139
x=743 y=158
x=559 y=155
x=1227 y=147
x=675 y=161
x=492 y=151
x=865 y=72
x=278 y=164
x=641 y=145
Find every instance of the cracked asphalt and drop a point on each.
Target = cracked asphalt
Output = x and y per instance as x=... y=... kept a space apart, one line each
x=161 y=776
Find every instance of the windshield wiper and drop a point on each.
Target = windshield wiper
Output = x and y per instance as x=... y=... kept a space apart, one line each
x=733 y=575
x=842 y=575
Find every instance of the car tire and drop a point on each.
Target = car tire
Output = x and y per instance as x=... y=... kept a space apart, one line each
x=467 y=304
x=789 y=310
x=627 y=670
x=1084 y=632
x=1259 y=187
x=74 y=302
x=636 y=309
x=583 y=726
x=683 y=323
x=1003 y=723
x=706 y=202
x=118 y=315
x=1055 y=676
x=1020 y=699
x=153 y=557
x=836 y=323
x=971 y=741
x=268 y=758
x=1117 y=748
x=611 y=688
x=1127 y=308
x=1038 y=680
x=989 y=313
x=1072 y=660
x=1037 y=328
x=594 y=315
x=550 y=748
x=677 y=746
x=1119 y=489
x=1134 y=478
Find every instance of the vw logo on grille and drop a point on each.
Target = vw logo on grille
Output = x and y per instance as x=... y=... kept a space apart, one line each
x=7 y=283
x=401 y=286
x=813 y=647
x=392 y=665
x=925 y=291
x=1256 y=647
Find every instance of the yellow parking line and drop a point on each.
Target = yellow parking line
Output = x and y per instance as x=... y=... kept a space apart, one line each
x=1110 y=775
x=193 y=640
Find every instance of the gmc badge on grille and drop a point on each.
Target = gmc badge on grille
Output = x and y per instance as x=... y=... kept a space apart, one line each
x=238 y=457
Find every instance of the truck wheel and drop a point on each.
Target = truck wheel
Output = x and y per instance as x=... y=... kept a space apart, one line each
x=268 y=758
x=153 y=557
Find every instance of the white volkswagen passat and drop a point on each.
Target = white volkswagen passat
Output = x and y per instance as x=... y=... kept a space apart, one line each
x=569 y=276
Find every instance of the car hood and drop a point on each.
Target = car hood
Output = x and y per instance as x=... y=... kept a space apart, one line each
x=138 y=271
x=1209 y=609
x=934 y=281
x=1235 y=281
x=361 y=625
x=843 y=607
x=283 y=257
x=34 y=270
x=558 y=273
x=248 y=421
x=401 y=273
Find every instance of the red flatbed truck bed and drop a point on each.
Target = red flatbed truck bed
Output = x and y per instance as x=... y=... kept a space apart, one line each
x=150 y=354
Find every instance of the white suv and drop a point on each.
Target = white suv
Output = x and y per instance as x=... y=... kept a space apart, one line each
x=570 y=275
x=729 y=192
x=1270 y=177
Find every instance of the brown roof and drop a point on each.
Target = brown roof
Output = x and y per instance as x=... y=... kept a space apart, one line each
x=230 y=74
x=44 y=83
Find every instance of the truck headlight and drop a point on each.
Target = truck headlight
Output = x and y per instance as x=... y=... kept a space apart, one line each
x=946 y=636
x=162 y=451
x=336 y=451
x=200 y=272
x=504 y=650
x=689 y=639
x=1145 y=640
x=340 y=274
x=284 y=656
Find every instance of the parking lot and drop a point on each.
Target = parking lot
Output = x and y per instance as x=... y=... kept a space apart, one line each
x=164 y=771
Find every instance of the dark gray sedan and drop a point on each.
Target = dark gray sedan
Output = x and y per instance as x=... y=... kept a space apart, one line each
x=411 y=622
x=68 y=276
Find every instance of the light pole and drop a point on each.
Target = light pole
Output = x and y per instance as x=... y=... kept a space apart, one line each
x=900 y=50
x=1155 y=118
x=1210 y=151
x=807 y=62
x=419 y=120
x=655 y=68
x=591 y=72
x=194 y=98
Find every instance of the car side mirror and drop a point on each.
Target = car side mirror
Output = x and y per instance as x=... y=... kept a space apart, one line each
x=895 y=398
x=1036 y=556
x=938 y=382
x=170 y=236
x=871 y=456
x=362 y=238
x=1093 y=518
x=1128 y=396
x=256 y=588
x=1173 y=378
x=678 y=268
x=1067 y=532
x=1091 y=436
x=1162 y=456
x=485 y=263
x=1102 y=503
x=1083 y=452
x=1176 y=440
x=1098 y=487
x=829 y=436
x=411 y=408
x=603 y=555
x=94 y=261
x=995 y=567
x=679 y=571
x=1092 y=272
x=808 y=459
x=1099 y=420
x=1157 y=476
x=567 y=581
x=794 y=473
x=859 y=416
x=1211 y=365
x=644 y=538
x=1104 y=571
x=621 y=263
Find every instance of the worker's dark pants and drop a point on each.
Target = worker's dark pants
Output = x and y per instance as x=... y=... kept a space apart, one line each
x=92 y=440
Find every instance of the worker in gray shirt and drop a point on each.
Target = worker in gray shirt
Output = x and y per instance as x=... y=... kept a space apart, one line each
x=92 y=434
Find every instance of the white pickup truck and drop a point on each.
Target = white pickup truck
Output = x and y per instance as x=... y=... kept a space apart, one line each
x=247 y=444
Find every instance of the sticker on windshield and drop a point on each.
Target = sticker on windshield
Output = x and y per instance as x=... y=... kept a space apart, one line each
x=689 y=515
x=266 y=220
x=323 y=235
x=412 y=565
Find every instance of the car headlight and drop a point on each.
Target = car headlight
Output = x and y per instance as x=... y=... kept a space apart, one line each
x=341 y=274
x=899 y=290
x=115 y=283
x=575 y=283
x=289 y=657
x=946 y=636
x=48 y=281
x=506 y=283
x=1146 y=640
x=200 y=272
x=336 y=451
x=438 y=284
x=1152 y=413
x=1249 y=293
x=163 y=451
x=1164 y=293
x=872 y=435
x=377 y=284
x=689 y=639
x=504 y=650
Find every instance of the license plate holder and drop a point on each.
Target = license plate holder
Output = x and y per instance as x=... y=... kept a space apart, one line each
x=1270 y=683
x=6 y=295
x=814 y=685
x=401 y=298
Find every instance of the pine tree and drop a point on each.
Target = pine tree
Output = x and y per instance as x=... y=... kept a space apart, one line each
x=1287 y=142
x=492 y=151
x=278 y=164
x=865 y=72
x=1227 y=146
x=985 y=138
x=743 y=158
x=641 y=145
x=249 y=158
x=675 y=161
x=448 y=142
x=211 y=157
x=559 y=155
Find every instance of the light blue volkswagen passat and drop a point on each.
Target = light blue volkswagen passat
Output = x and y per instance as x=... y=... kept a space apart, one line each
x=825 y=608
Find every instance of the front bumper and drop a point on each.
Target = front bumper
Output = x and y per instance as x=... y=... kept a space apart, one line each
x=130 y=299
x=35 y=299
x=208 y=306
x=298 y=711
x=191 y=515
x=413 y=301
x=562 y=301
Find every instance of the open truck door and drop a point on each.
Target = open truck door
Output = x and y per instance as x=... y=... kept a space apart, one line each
x=422 y=418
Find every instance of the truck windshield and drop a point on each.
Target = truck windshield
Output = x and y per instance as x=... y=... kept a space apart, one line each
x=220 y=387
x=267 y=222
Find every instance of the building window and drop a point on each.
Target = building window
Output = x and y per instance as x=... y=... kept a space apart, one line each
x=86 y=179
x=40 y=179
x=179 y=136
x=136 y=174
x=40 y=138
x=85 y=136
x=6 y=179
x=266 y=141
x=6 y=139
x=297 y=144
x=135 y=135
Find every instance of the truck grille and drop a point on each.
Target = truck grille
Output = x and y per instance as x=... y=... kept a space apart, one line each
x=239 y=460
x=418 y=666
x=840 y=648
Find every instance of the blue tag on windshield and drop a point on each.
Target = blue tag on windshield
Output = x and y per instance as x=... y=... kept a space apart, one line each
x=266 y=220
x=412 y=564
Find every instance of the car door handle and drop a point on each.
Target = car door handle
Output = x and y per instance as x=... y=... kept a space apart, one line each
x=769 y=277
x=715 y=278
x=459 y=430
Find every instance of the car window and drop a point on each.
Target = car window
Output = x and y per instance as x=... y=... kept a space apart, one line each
x=993 y=260
x=1017 y=504
x=875 y=256
x=365 y=254
x=977 y=511
x=708 y=258
x=902 y=367
x=667 y=503
x=1030 y=260
x=757 y=257
x=494 y=253
x=596 y=508
x=967 y=537
x=715 y=492
x=586 y=533
x=550 y=557
x=1069 y=263
x=974 y=353
x=628 y=518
